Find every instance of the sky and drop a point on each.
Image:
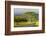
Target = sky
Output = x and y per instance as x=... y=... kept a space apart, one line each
x=20 y=11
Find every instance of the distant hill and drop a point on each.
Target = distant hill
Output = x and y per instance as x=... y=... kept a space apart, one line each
x=30 y=14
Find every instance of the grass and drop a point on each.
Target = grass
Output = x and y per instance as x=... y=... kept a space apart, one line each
x=21 y=24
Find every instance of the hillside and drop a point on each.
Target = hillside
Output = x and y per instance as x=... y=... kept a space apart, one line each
x=26 y=19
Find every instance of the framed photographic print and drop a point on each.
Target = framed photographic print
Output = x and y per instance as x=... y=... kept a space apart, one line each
x=24 y=17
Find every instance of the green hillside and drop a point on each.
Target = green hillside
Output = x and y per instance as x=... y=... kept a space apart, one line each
x=26 y=19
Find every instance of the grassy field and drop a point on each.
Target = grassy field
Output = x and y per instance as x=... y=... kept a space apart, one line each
x=22 y=24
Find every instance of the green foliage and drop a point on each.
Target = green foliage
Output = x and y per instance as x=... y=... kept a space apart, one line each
x=33 y=16
x=30 y=17
x=19 y=19
x=36 y=23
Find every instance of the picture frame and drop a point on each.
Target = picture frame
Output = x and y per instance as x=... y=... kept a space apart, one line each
x=9 y=17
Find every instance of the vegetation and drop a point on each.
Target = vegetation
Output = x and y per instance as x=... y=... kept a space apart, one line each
x=27 y=19
x=19 y=19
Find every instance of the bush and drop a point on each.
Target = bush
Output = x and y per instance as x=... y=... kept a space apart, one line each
x=19 y=19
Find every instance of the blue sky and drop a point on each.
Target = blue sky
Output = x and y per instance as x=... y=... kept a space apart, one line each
x=19 y=11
